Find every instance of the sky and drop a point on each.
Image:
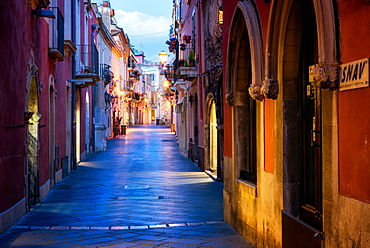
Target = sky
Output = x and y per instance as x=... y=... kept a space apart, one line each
x=147 y=23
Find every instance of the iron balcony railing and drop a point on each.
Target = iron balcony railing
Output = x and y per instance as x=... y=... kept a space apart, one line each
x=56 y=44
x=106 y=74
x=88 y=55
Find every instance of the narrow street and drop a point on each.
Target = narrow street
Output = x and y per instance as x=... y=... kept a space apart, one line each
x=140 y=192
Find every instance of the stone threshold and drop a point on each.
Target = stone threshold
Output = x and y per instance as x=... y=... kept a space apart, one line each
x=139 y=227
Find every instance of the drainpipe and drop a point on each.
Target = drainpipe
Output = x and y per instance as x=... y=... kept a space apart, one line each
x=93 y=27
x=73 y=112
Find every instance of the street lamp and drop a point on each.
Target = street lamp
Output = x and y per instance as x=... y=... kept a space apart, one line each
x=166 y=84
x=162 y=57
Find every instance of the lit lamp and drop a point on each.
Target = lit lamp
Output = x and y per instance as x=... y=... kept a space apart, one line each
x=220 y=16
x=166 y=84
x=162 y=57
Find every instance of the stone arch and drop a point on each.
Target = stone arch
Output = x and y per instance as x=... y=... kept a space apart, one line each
x=244 y=65
x=327 y=40
x=249 y=20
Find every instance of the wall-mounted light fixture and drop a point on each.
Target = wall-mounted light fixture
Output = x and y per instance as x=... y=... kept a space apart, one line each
x=220 y=20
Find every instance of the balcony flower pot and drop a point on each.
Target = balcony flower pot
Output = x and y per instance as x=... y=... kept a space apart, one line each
x=173 y=41
x=191 y=58
x=187 y=38
x=181 y=63
x=182 y=46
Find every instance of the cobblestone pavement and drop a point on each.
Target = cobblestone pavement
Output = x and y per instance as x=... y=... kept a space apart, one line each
x=140 y=192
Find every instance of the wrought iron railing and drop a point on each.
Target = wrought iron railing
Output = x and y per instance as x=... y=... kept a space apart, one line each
x=88 y=55
x=56 y=44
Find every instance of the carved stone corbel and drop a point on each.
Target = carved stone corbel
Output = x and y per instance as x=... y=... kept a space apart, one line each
x=325 y=75
x=270 y=88
x=255 y=92
x=230 y=99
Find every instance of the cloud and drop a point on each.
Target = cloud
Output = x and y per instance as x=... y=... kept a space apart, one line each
x=140 y=24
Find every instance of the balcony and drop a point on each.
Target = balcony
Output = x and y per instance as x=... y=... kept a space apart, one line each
x=106 y=74
x=187 y=72
x=87 y=57
x=56 y=43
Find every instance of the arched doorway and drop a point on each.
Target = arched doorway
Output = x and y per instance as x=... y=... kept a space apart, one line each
x=78 y=125
x=244 y=107
x=302 y=124
x=87 y=123
x=212 y=138
x=32 y=145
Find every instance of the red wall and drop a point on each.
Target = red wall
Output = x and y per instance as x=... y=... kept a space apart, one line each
x=14 y=53
x=228 y=7
x=354 y=120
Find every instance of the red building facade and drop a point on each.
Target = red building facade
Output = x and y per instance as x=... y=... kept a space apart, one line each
x=45 y=98
x=305 y=128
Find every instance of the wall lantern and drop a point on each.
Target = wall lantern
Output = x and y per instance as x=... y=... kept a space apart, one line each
x=220 y=20
x=43 y=13
x=162 y=57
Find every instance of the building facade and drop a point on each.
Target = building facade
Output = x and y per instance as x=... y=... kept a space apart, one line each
x=287 y=109
x=52 y=94
x=295 y=124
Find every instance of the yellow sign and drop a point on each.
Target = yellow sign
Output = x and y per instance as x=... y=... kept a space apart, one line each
x=354 y=75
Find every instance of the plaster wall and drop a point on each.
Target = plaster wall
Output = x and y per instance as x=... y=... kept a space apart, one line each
x=255 y=210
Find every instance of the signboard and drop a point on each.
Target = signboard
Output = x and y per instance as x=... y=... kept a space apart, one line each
x=354 y=75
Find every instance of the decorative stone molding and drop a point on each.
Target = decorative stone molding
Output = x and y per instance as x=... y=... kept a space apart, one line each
x=255 y=92
x=270 y=88
x=230 y=99
x=325 y=75
x=69 y=48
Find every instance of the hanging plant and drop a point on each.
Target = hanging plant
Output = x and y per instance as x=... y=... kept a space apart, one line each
x=182 y=46
x=187 y=38
x=173 y=41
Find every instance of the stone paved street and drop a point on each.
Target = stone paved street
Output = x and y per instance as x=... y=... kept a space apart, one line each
x=140 y=192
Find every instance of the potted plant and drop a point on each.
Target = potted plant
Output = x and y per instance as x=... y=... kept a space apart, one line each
x=187 y=38
x=191 y=58
x=186 y=64
x=181 y=63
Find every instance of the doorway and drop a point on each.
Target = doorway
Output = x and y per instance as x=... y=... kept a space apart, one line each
x=32 y=146
x=212 y=156
x=302 y=215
